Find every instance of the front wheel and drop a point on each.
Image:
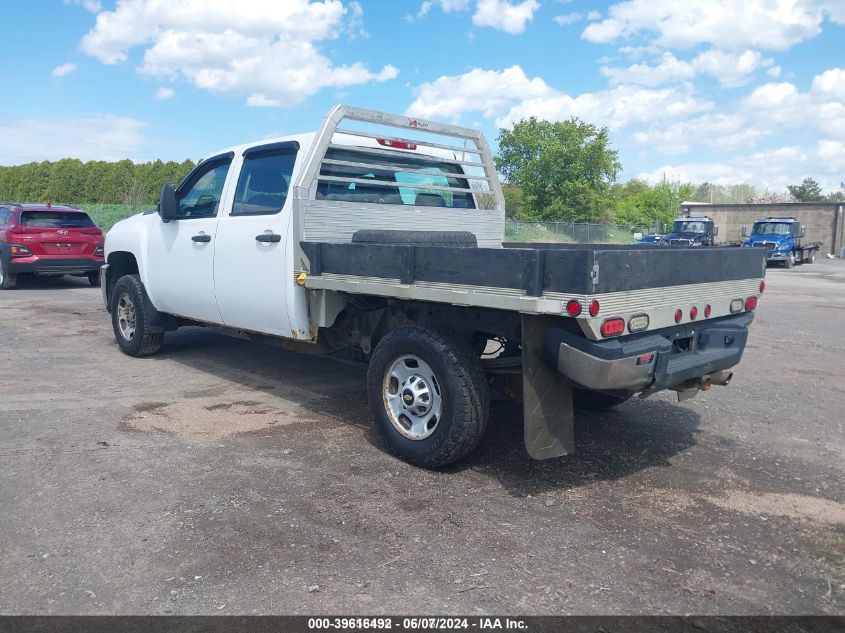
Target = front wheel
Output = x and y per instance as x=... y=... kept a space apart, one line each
x=789 y=262
x=428 y=395
x=7 y=279
x=129 y=318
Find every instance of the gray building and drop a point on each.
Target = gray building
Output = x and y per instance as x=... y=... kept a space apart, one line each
x=825 y=221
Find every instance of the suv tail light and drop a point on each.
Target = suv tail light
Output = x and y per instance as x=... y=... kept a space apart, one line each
x=613 y=327
x=99 y=250
x=20 y=229
x=19 y=251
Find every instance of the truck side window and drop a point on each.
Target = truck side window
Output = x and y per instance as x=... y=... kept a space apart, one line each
x=264 y=182
x=200 y=196
x=4 y=217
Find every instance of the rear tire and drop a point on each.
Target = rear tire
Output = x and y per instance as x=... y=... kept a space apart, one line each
x=595 y=401
x=8 y=281
x=129 y=318
x=94 y=278
x=428 y=395
x=811 y=258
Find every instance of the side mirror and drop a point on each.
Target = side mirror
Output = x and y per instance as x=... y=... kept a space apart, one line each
x=803 y=231
x=168 y=206
x=744 y=232
x=715 y=229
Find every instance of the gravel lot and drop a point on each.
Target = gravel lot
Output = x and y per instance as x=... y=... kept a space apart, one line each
x=226 y=477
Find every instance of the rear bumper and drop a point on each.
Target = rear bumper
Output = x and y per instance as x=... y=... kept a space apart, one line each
x=678 y=354
x=48 y=264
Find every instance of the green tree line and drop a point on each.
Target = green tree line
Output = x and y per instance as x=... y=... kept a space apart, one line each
x=69 y=180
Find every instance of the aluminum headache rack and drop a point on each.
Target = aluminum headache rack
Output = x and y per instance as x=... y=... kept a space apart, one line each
x=364 y=149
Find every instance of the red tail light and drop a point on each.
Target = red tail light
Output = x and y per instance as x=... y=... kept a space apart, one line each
x=679 y=315
x=573 y=307
x=20 y=229
x=389 y=142
x=594 y=308
x=613 y=327
x=707 y=311
x=762 y=286
x=751 y=303
x=693 y=313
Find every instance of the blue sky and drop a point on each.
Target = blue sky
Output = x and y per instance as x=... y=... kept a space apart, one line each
x=726 y=91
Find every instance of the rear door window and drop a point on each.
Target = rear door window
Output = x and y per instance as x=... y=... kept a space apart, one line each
x=264 y=182
x=56 y=219
x=418 y=181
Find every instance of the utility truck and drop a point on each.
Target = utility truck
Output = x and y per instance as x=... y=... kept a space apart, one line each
x=693 y=231
x=381 y=235
x=782 y=240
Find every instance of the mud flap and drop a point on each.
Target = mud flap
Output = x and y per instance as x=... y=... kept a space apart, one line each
x=547 y=396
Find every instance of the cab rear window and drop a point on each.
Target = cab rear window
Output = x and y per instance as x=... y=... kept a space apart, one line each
x=425 y=183
x=55 y=219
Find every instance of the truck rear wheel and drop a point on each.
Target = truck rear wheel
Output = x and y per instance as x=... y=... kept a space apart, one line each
x=428 y=395
x=7 y=279
x=129 y=318
x=810 y=258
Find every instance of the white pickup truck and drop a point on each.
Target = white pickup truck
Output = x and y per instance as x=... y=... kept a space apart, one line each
x=358 y=239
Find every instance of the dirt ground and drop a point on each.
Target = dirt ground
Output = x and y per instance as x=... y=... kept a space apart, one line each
x=225 y=477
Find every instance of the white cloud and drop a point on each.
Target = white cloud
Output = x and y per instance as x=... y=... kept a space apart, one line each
x=93 y=6
x=505 y=16
x=713 y=129
x=774 y=71
x=669 y=69
x=616 y=108
x=781 y=105
x=64 y=69
x=508 y=96
x=164 y=93
x=266 y=47
x=98 y=137
x=725 y=24
x=771 y=169
x=594 y=15
x=487 y=91
x=568 y=18
x=729 y=68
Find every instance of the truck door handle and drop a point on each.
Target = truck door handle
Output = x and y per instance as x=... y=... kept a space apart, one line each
x=201 y=238
x=272 y=238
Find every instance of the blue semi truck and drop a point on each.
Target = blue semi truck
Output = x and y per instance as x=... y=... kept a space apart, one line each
x=781 y=237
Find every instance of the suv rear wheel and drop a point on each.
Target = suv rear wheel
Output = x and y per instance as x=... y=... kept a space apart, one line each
x=428 y=394
x=129 y=319
x=7 y=279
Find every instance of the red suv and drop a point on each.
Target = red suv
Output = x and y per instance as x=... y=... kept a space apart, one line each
x=48 y=240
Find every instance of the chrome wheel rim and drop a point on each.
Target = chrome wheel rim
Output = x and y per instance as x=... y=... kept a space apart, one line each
x=126 y=317
x=412 y=397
